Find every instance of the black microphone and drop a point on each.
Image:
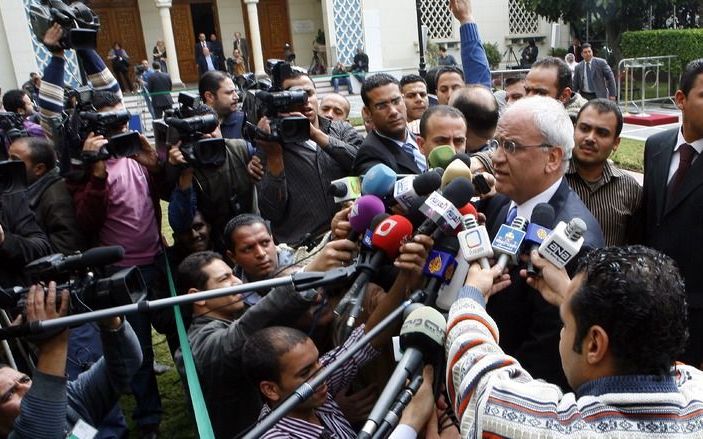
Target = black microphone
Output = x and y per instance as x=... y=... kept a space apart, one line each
x=440 y=266
x=409 y=189
x=540 y=227
x=94 y=257
x=442 y=211
x=422 y=339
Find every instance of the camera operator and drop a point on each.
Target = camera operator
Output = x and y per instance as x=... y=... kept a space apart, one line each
x=219 y=193
x=294 y=177
x=116 y=203
x=48 y=195
x=46 y=406
x=19 y=103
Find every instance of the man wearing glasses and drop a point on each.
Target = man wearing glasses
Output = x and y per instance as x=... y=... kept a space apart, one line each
x=391 y=142
x=533 y=143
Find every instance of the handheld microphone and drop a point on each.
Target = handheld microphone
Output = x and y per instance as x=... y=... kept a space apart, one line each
x=464 y=157
x=422 y=338
x=456 y=169
x=475 y=243
x=441 y=156
x=442 y=211
x=378 y=180
x=363 y=211
x=440 y=266
x=366 y=239
x=564 y=243
x=508 y=240
x=345 y=189
x=58 y=263
x=537 y=231
x=386 y=240
x=409 y=189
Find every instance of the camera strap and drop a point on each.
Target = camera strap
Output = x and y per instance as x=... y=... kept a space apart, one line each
x=202 y=418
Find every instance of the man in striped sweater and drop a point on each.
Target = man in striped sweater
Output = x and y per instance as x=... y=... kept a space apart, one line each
x=624 y=322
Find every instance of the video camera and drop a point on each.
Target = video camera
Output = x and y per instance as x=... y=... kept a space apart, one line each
x=12 y=125
x=259 y=102
x=80 y=24
x=13 y=176
x=185 y=125
x=75 y=273
x=110 y=125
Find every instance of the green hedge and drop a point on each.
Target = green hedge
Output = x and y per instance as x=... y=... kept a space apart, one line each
x=687 y=44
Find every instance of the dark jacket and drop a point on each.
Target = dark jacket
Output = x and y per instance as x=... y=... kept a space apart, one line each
x=160 y=82
x=52 y=205
x=202 y=63
x=377 y=149
x=529 y=326
x=24 y=239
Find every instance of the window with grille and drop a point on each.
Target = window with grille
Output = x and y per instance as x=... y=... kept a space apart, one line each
x=438 y=19
x=522 y=21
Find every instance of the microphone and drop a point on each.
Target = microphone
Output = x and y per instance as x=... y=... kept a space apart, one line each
x=378 y=180
x=456 y=169
x=508 y=240
x=366 y=240
x=440 y=266
x=409 y=189
x=345 y=189
x=537 y=231
x=59 y=264
x=442 y=211
x=363 y=211
x=564 y=242
x=422 y=339
x=441 y=156
x=386 y=240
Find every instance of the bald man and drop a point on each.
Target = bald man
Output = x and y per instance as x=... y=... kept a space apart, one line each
x=335 y=107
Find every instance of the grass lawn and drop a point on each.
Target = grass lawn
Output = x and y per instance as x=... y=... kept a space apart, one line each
x=630 y=155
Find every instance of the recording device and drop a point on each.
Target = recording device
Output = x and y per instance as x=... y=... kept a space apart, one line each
x=537 y=231
x=422 y=340
x=258 y=103
x=12 y=125
x=455 y=169
x=564 y=243
x=442 y=211
x=80 y=24
x=379 y=180
x=362 y=213
x=440 y=266
x=508 y=241
x=110 y=125
x=345 y=189
x=75 y=273
x=441 y=156
x=481 y=185
x=13 y=176
x=408 y=190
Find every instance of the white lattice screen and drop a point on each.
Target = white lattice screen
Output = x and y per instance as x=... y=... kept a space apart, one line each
x=522 y=21
x=348 y=28
x=438 y=19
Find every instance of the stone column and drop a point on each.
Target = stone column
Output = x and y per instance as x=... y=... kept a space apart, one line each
x=255 y=37
x=164 y=7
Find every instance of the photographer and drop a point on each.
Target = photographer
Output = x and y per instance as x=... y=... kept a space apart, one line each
x=116 y=202
x=219 y=192
x=294 y=177
x=19 y=103
x=46 y=406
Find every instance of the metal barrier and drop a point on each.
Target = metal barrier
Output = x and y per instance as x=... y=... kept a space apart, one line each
x=634 y=71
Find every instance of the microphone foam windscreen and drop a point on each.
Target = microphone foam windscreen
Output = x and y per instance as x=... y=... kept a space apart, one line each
x=426 y=323
x=456 y=169
x=425 y=184
x=377 y=220
x=97 y=257
x=364 y=210
x=464 y=157
x=543 y=215
x=379 y=180
x=441 y=156
x=468 y=209
x=459 y=191
x=390 y=234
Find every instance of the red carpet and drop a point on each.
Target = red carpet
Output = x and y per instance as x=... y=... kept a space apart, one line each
x=652 y=119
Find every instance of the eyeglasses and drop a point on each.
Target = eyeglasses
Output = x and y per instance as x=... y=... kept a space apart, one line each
x=510 y=146
x=384 y=105
x=5 y=397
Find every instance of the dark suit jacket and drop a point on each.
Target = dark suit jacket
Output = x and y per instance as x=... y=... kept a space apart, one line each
x=202 y=64
x=199 y=49
x=376 y=149
x=529 y=326
x=674 y=227
x=603 y=78
x=160 y=82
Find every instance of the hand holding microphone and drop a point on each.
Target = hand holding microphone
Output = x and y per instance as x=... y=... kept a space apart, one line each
x=488 y=280
x=552 y=282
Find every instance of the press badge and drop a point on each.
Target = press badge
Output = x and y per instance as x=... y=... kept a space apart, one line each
x=82 y=430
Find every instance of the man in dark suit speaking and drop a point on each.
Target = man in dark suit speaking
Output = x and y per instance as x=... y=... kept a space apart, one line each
x=159 y=86
x=593 y=77
x=533 y=143
x=672 y=199
x=390 y=142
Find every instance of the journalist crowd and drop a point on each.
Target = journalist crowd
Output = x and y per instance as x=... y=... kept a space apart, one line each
x=472 y=264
